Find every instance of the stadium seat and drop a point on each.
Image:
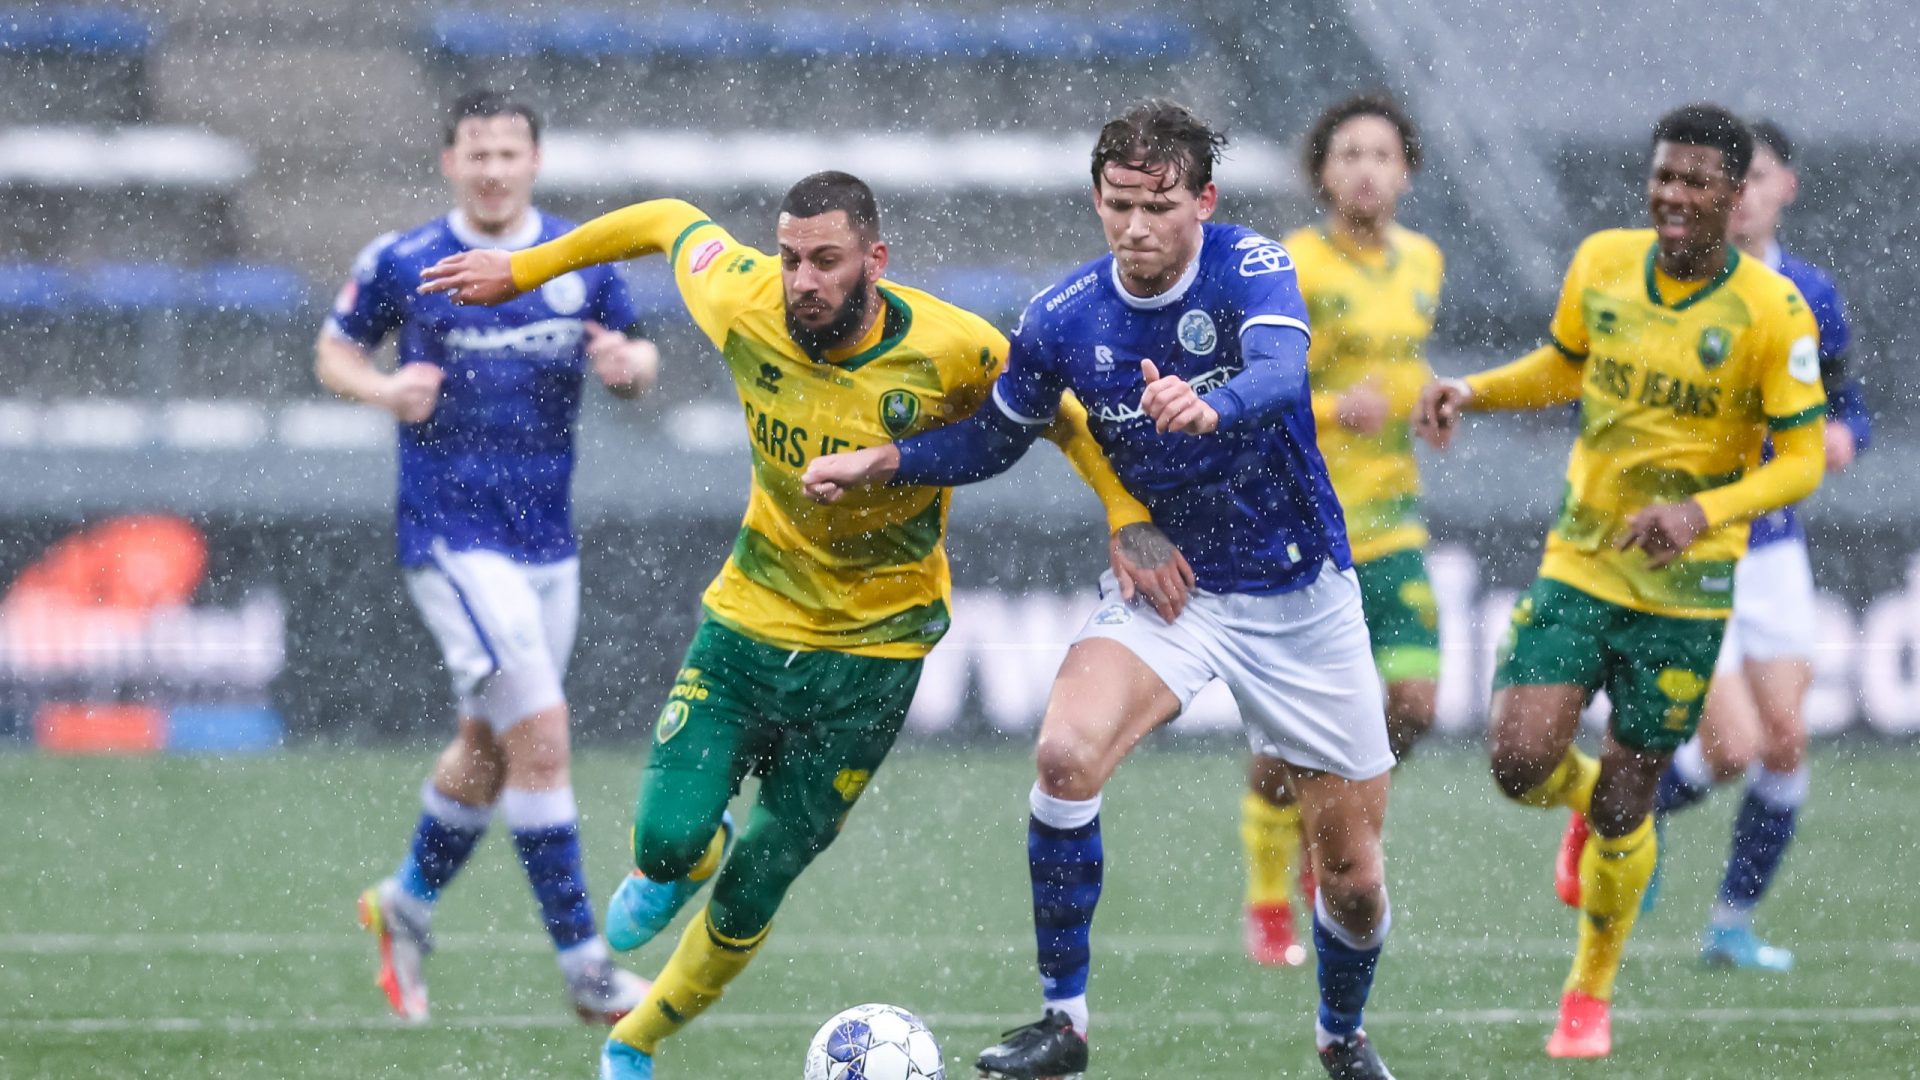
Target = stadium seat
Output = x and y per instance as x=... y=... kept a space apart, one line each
x=72 y=29
x=73 y=63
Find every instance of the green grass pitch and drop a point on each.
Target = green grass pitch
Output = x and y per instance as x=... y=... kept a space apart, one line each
x=194 y=918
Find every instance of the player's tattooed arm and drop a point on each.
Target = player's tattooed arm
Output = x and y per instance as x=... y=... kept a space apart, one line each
x=1147 y=564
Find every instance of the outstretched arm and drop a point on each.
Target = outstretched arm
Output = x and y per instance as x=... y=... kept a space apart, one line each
x=490 y=277
x=983 y=445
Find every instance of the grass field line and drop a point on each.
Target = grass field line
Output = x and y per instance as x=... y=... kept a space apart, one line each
x=192 y=1025
x=243 y=943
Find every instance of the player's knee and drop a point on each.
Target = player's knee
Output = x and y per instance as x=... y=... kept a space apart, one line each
x=1068 y=767
x=1517 y=771
x=668 y=851
x=1351 y=884
x=1783 y=755
x=1727 y=758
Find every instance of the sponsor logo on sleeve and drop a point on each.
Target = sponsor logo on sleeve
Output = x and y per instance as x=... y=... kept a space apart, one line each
x=1268 y=259
x=1803 y=360
x=704 y=255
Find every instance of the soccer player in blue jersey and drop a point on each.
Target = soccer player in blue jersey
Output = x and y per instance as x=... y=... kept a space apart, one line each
x=1752 y=725
x=486 y=398
x=1188 y=345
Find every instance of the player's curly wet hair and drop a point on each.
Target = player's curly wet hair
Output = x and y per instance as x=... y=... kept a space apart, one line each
x=484 y=103
x=1319 y=142
x=1161 y=137
x=1705 y=124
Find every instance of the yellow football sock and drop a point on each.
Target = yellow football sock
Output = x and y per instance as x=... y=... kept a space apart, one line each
x=1271 y=835
x=1571 y=784
x=1614 y=872
x=702 y=965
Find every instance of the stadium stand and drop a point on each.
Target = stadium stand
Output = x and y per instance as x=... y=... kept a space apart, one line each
x=73 y=63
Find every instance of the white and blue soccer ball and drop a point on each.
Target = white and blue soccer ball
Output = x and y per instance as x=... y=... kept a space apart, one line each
x=875 y=1042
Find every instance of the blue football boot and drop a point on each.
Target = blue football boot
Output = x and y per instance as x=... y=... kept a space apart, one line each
x=1740 y=947
x=642 y=907
x=618 y=1061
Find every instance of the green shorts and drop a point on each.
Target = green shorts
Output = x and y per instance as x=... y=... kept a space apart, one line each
x=1654 y=668
x=1402 y=618
x=814 y=725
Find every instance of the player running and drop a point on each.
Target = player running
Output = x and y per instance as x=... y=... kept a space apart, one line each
x=1371 y=287
x=1752 y=724
x=1684 y=355
x=487 y=399
x=815 y=630
x=1188 y=345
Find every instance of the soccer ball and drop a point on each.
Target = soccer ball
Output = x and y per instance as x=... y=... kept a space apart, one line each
x=875 y=1042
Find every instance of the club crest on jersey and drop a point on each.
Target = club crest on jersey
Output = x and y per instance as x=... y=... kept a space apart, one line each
x=898 y=410
x=1715 y=344
x=565 y=294
x=1197 y=334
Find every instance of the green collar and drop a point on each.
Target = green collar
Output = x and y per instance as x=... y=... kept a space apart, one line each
x=1719 y=279
x=1340 y=248
x=899 y=319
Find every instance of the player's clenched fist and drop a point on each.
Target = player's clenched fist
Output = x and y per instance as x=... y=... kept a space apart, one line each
x=830 y=476
x=413 y=391
x=626 y=366
x=1173 y=406
x=1438 y=411
x=472 y=277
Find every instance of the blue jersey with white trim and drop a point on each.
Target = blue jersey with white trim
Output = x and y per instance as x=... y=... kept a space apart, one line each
x=493 y=466
x=1250 y=506
x=1846 y=407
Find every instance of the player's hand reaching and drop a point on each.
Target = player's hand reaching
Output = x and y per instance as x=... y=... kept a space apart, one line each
x=472 y=277
x=1664 y=531
x=1841 y=447
x=1147 y=564
x=830 y=476
x=1173 y=405
x=1437 y=414
x=627 y=366
x=1363 y=409
x=413 y=391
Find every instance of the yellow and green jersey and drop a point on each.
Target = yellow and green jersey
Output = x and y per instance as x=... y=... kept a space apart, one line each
x=868 y=574
x=1682 y=382
x=1371 y=312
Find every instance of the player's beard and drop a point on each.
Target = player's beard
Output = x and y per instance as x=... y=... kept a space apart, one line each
x=837 y=331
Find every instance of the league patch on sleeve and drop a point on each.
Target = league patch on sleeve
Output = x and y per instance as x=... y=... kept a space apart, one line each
x=704 y=255
x=1803 y=360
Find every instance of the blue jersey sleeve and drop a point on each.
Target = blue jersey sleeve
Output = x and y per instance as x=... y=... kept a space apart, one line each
x=1273 y=381
x=371 y=304
x=986 y=444
x=1030 y=386
x=613 y=305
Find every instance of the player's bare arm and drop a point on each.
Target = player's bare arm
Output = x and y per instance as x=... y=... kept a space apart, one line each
x=1147 y=564
x=627 y=367
x=472 y=277
x=1173 y=405
x=409 y=393
x=831 y=476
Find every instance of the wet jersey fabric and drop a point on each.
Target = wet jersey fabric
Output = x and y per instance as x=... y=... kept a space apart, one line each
x=1371 y=312
x=1250 y=505
x=1847 y=403
x=492 y=467
x=1681 y=383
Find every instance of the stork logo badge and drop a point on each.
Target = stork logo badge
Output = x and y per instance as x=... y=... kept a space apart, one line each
x=898 y=410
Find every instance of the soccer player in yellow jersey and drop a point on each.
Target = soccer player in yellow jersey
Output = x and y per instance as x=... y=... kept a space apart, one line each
x=1683 y=355
x=1371 y=287
x=803 y=668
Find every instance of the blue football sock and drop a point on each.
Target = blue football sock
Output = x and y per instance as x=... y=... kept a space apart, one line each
x=1347 y=964
x=445 y=837
x=1065 y=859
x=546 y=831
x=1685 y=782
x=1761 y=834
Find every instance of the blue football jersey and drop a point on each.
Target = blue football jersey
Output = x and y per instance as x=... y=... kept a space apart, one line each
x=1251 y=508
x=1830 y=315
x=492 y=467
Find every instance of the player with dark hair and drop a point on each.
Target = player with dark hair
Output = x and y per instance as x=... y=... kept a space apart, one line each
x=487 y=400
x=1684 y=355
x=1752 y=726
x=1371 y=287
x=815 y=630
x=1188 y=344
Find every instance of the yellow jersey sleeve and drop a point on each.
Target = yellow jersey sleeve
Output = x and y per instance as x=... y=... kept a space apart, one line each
x=1569 y=325
x=1069 y=431
x=647 y=228
x=1791 y=392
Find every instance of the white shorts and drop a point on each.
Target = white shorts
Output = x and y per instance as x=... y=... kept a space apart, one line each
x=1773 y=607
x=505 y=629
x=1299 y=665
